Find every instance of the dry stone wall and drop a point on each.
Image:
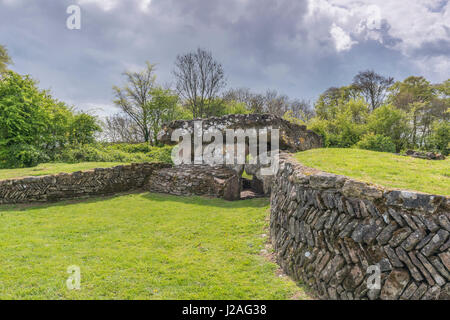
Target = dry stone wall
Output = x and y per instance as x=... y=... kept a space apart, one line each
x=327 y=230
x=75 y=185
x=205 y=180
x=184 y=180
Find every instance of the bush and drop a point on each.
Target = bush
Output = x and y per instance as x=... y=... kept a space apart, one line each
x=440 y=138
x=376 y=142
x=131 y=148
x=22 y=155
x=34 y=127
x=345 y=127
x=391 y=122
x=115 y=153
x=163 y=154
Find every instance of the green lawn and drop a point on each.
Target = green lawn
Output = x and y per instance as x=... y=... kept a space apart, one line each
x=386 y=169
x=140 y=246
x=53 y=168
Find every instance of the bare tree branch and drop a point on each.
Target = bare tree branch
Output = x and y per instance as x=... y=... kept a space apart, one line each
x=199 y=80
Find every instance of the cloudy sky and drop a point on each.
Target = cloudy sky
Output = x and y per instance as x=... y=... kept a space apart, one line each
x=299 y=47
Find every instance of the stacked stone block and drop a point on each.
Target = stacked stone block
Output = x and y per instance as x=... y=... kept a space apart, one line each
x=327 y=230
x=102 y=181
x=187 y=180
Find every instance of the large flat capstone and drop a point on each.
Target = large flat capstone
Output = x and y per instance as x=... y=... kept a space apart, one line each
x=293 y=137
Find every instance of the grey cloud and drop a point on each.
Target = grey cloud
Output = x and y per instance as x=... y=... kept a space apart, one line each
x=439 y=47
x=261 y=43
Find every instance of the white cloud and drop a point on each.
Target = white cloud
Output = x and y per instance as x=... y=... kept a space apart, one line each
x=436 y=68
x=341 y=38
x=405 y=27
x=144 y=5
x=105 y=5
x=108 y=5
x=414 y=23
x=11 y=2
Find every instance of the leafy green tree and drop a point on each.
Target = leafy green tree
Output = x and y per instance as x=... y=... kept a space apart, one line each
x=83 y=128
x=439 y=139
x=23 y=119
x=4 y=59
x=135 y=97
x=346 y=126
x=234 y=107
x=372 y=86
x=57 y=126
x=329 y=103
x=162 y=108
x=414 y=105
x=441 y=101
x=221 y=107
x=289 y=116
x=34 y=127
x=417 y=97
x=412 y=89
x=391 y=122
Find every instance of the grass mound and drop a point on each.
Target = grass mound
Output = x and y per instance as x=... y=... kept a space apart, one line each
x=386 y=169
x=53 y=168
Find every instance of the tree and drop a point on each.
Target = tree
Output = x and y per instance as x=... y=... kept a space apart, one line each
x=439 y=139
x=199 y=79
x=328 y=103
x=249 y=100
x=133 y=99
x=4 y=59
x=22 y=121
x=277 y=104
x=345 y=127
x=301 y=109
x=240 y=95
x=271 y=102
x=257 y=103
x=34 y=127
x=412 y=89
x=121 y=128
x=145 y=106
x=372 y=86
x=83 y=128
x=441 y=101
x=417 y=97
x=391 y=122
x=162 y=108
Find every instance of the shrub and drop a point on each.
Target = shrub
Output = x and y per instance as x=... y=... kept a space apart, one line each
x=22 y=155
x=289 y=116
x=115 y=153
x=376 y=142
x=34 y=126
x=391 y=122
x=163 y=154
x=345 y=127
x=131 y=147
x=440 y=137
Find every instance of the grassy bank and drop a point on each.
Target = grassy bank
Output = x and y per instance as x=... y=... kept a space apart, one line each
x=387 y=169
x=53 y=168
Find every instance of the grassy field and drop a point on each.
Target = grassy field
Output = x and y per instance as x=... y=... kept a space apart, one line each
x=386 y=169
x=53 y=168
x=140 y=246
